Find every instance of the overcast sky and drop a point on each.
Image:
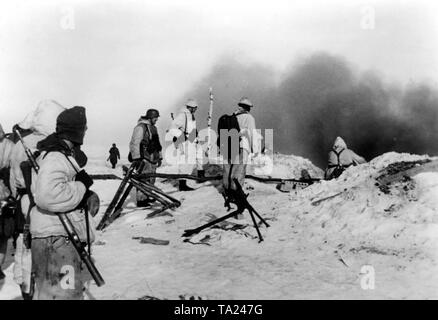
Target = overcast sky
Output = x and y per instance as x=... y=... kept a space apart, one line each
x=117 y=58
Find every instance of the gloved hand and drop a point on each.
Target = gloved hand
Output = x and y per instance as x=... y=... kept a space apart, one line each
x=160 y=162
x=92 y=201
x=83 y=177
x=174 y=139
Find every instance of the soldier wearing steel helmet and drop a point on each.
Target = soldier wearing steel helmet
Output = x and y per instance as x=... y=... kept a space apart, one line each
x=145 y=147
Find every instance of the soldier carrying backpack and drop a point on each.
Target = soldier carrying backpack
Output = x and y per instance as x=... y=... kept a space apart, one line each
x=236 y=150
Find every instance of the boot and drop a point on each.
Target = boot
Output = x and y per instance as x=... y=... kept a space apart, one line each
x=201 y=174
x=24 y=295
x=238 y=216
x=183 y=186
x=143 y=203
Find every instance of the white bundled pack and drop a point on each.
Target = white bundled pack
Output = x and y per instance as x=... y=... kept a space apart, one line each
x=43 y=119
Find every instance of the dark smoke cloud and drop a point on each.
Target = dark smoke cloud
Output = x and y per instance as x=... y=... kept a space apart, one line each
x=230 y=81
x=321 y=97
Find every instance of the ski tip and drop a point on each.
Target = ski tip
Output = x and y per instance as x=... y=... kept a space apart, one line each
x=187 y=233
x=100 y=284
x=100 y=227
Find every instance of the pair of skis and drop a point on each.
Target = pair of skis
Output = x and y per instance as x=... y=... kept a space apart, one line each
x=110 y=210
x=133 y=179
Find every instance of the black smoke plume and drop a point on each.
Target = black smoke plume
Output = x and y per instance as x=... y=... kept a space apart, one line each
x=322 y=97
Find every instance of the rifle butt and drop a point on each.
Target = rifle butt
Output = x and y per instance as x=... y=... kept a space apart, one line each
x=85 y=257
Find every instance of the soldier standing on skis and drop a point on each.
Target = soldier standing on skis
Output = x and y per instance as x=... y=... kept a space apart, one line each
x=61 y=186
x=145 y=148
x=185 y=139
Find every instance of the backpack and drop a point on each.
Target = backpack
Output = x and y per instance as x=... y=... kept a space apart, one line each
x=227 y=122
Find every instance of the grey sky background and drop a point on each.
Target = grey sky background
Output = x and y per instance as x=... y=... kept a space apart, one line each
x=122 y=57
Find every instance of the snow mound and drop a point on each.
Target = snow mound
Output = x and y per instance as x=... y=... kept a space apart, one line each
x=351 y=216
x=290 y=166
x=348 y=220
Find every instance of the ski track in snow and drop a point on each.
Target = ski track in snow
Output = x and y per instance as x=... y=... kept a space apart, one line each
x=311 y=251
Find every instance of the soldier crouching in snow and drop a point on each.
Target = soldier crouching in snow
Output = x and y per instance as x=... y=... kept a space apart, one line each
x=60 y=186
x=145 y=149
x=340 y=158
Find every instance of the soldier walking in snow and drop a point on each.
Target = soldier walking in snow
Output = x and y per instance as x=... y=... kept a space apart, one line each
x=340 y=158
x=114 y=155
x=145 y=147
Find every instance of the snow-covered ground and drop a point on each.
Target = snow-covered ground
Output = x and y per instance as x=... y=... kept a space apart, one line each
x=313 y=249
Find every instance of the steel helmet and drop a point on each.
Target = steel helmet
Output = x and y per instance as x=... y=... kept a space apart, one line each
x=152 y=113
x=192 y=103
x=245 y=102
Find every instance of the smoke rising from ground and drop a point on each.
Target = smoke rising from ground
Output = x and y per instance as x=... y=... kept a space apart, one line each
x=321 y=97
